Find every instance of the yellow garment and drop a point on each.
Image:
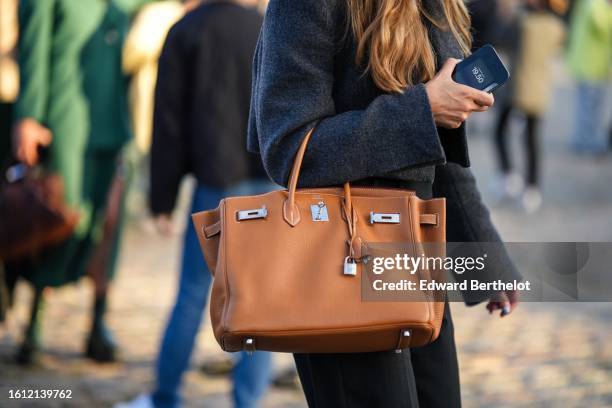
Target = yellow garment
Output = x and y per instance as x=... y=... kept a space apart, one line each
x=542 y=36
x=9 y=71
x=141 y=52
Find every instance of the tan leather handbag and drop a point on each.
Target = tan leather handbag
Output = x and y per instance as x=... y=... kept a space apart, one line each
x=287 y=275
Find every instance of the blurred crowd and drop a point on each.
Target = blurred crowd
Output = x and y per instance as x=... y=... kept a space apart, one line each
x=131 y=96
x=532 y=35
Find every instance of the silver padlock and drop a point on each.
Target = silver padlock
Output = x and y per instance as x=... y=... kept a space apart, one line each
x=350 y=266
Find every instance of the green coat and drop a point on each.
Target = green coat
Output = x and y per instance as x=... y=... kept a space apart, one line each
x=590 y=48
x=71 y=81
x=70 y=63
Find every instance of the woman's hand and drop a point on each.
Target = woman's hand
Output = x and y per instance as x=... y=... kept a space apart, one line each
x=28 y=134
x=452 y=103
x=505 y=301
x=164 y=225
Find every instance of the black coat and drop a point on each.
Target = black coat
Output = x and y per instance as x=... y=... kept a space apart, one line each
x=202 y=102
x=305 y=72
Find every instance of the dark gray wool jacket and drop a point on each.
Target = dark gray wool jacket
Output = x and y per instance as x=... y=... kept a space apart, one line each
x=304 y=72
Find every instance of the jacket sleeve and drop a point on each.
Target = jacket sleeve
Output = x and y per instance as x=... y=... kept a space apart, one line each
x=292 y=90
x=169 y=158
x=36 y=33
x=469 y=221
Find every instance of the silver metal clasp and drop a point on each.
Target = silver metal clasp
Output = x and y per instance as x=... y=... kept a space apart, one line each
x=254 y=214
x=381 y=218
x=319 y=212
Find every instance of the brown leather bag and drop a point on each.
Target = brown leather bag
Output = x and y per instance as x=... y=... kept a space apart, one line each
x=278 y=258
x=33 y=214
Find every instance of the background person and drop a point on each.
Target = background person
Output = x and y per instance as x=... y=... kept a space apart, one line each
x=541 y=36
x=9 y=72
x=200 y=121
x=385 y=118
x=506 y=41
x=485 y=22
x=73 y=101
x=589 y=59
x=9 y=88
x=141 y=51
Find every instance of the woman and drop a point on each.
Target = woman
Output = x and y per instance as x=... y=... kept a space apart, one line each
x=366 y=70
x=590 y=40
x=73 y=99
x=542 y=33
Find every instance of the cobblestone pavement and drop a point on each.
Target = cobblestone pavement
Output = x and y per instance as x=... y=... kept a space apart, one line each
x=545 y=355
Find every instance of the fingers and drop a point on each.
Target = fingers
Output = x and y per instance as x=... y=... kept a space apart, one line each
x=451 y=123
x=479 y=108
x=492 y=306
x=21 y=156
x=449 y=67
x=30 y=154
x=513 y=297
x=505 y=308
x=163 y=224
x=28 y=134
x=506 y=302
x=480 y=98
x=27 y=152
x=41 y=136
x=44 y=136
x=452 y=103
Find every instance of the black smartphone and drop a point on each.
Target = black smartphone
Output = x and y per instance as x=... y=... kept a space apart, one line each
x=483 y=70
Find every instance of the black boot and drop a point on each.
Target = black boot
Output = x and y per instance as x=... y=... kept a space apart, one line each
x=100 y=346
x=29 y=349
x=9 y=273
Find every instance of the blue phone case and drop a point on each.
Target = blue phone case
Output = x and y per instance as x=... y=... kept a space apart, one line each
x=483 y=70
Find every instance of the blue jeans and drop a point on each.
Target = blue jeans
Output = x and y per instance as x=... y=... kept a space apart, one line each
x=589 y=134
x=251 y=374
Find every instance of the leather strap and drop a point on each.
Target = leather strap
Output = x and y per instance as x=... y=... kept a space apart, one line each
x=291 y=213
x=212 y=230
x=348 y=201
x=429 y=219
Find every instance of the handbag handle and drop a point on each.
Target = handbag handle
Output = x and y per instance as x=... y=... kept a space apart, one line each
x=291 y=212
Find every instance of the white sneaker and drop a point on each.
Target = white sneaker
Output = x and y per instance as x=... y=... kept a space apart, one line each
x=508 y=186
x=532 y=200
x=142 y=401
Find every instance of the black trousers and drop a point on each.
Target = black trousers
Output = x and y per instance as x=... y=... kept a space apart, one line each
x=425 y=377
x=532 y=145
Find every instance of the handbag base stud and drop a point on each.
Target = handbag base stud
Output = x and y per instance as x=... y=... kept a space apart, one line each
x=404 y=335
x=249 y=346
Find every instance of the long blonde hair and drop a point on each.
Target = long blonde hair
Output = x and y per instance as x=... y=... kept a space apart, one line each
x=394 y=36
